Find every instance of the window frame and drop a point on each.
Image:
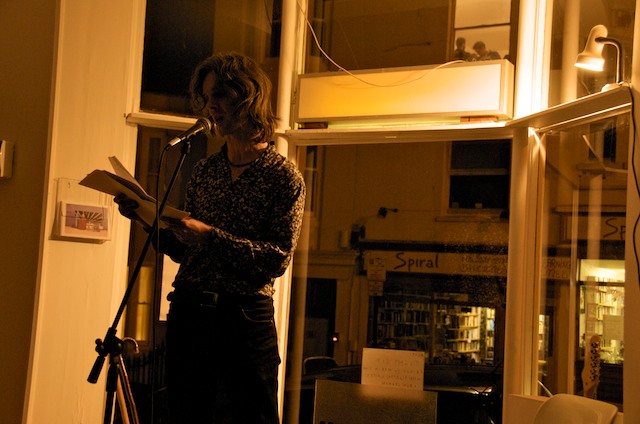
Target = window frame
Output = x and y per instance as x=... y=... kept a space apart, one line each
x=525 y=268
x=474 y=172
x=518 y=370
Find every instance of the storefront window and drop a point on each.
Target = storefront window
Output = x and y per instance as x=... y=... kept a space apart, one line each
x=448 y=333
x=602 y=307
x=384 y=264
x=581 y=343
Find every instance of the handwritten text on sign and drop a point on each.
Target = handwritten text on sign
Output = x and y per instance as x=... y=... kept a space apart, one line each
x=402 y=369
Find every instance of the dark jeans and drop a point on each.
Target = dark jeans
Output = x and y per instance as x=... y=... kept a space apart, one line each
x=222 y=362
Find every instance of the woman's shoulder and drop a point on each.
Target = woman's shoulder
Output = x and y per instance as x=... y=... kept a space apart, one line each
x=284 y=165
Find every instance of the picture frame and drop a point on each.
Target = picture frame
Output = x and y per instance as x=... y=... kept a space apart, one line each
x=84 y=222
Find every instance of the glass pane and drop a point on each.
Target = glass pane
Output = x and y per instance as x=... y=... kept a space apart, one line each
x=381 y=265
x=581 y=346
x=471 y=12
x=479 y=192
x=361 y=34
x=493 y=154
x=568 y=39
x=179 y=34
x=150 y=172
x=495 y=38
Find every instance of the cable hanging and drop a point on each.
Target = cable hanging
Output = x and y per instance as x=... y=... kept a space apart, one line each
x=343 y=69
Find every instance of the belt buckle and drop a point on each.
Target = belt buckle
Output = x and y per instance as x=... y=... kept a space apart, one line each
x=211 y=297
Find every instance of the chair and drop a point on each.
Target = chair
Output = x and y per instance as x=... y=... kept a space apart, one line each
x=318 y=363
x=564 y=408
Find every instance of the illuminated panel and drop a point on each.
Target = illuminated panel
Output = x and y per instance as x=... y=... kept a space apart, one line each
x=451 y=90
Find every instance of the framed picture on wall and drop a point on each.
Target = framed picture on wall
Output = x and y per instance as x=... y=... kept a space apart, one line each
x=84 y=222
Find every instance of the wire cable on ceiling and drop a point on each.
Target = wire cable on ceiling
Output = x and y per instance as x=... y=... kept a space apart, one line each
x=343 y=69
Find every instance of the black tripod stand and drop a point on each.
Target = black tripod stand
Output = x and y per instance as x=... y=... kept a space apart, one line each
x=117 y=383
x=111 y=346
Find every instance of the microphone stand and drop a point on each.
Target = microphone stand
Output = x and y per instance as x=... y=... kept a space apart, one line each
x=111 y=345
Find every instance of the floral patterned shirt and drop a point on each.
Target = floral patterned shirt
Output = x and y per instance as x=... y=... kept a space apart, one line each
x=256 y=219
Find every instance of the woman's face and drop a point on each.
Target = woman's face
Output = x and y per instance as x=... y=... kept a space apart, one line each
x=221 y=107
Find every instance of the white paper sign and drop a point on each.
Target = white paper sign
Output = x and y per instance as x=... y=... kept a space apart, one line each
x=393 y=368
x=613 y=327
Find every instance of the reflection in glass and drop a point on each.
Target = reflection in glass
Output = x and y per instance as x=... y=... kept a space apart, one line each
x=383 y=262
x=569 y=35
x=180 y=34
x=581 y=346
x=480 y=21
x=359 y=34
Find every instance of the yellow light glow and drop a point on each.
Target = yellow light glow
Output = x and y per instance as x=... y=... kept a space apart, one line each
x=591 y=57
x=602 y=270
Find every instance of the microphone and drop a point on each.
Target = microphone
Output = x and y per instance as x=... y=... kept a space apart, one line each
x=203 y=125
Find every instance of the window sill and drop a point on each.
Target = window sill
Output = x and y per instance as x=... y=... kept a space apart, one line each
x=474 y=215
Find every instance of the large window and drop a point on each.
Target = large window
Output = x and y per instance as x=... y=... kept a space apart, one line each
x=440 y=273
x=479 y=21
x=582 y=240
x=399 y=274
x=391 y=202
x=179 y=34
x=479 y=176
x=360 y=34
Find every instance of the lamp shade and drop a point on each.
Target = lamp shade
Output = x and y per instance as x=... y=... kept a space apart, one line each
x=591 y=57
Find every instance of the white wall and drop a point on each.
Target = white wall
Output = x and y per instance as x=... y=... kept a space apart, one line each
x=81 y=284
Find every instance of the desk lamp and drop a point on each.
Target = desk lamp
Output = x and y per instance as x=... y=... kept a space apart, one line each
x=591 y=57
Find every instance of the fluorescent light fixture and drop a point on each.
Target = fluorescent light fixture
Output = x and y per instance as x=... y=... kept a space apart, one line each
x=591 y=57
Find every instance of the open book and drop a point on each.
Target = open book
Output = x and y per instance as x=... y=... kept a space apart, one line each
x=122 y=182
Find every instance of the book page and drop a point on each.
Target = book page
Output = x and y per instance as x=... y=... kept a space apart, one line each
x=122 y=172
x=125 y=183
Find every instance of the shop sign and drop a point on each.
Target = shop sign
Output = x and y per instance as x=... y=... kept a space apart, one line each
x=614 y=228
x=557 y=268
x=441 y=263
x=478 y=264
x=376 y=275
x=376 y=268
x=610 y=228
x=376 y=288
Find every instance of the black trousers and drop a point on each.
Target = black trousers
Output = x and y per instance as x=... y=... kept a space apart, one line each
x=222 y=361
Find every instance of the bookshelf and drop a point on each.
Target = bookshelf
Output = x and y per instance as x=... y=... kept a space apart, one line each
x=448 y=333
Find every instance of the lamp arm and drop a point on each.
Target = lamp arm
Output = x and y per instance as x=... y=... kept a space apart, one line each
x=618 y=46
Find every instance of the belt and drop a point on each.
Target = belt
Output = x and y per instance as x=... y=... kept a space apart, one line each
x=209 y=299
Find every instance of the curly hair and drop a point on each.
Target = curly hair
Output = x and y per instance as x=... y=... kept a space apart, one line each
x=240 y=79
